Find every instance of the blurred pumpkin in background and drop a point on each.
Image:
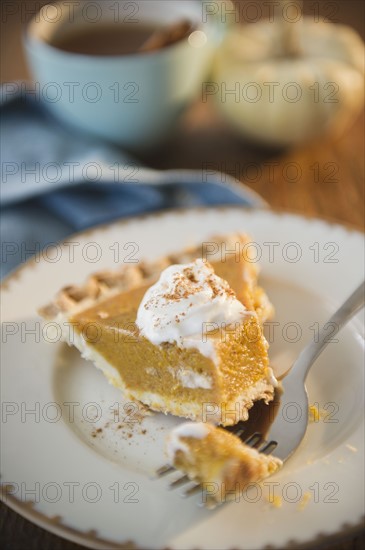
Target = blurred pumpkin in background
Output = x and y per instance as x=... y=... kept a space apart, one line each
x=288 y=79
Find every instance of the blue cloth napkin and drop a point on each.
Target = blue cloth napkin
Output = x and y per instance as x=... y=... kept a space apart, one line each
x=56 y=181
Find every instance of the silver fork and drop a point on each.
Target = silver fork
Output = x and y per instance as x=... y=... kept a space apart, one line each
x=285 y=434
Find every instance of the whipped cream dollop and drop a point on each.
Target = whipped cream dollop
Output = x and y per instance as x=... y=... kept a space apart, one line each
x=185 y=303
x=196 y=430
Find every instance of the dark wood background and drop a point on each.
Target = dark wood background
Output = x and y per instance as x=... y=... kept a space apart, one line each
x=201 y=137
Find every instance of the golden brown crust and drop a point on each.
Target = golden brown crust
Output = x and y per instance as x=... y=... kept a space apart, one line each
x=106 y=283
x=99 y=286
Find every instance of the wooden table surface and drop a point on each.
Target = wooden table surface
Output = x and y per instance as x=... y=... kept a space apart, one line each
x=331 y=186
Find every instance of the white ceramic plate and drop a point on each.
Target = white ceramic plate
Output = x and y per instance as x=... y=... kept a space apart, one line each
x=94 y=487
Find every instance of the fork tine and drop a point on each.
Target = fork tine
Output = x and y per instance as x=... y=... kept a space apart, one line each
x=178 y=482
x=268 y=447
x=254 y=440
x=164 y=470
x=239 y=432
x=236 y=428
x=192 y=491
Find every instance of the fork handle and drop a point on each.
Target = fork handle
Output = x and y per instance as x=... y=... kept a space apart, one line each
x=310 y=353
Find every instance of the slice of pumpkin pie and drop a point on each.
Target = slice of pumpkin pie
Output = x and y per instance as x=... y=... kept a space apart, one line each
x=183 y=336
x=218 y=460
